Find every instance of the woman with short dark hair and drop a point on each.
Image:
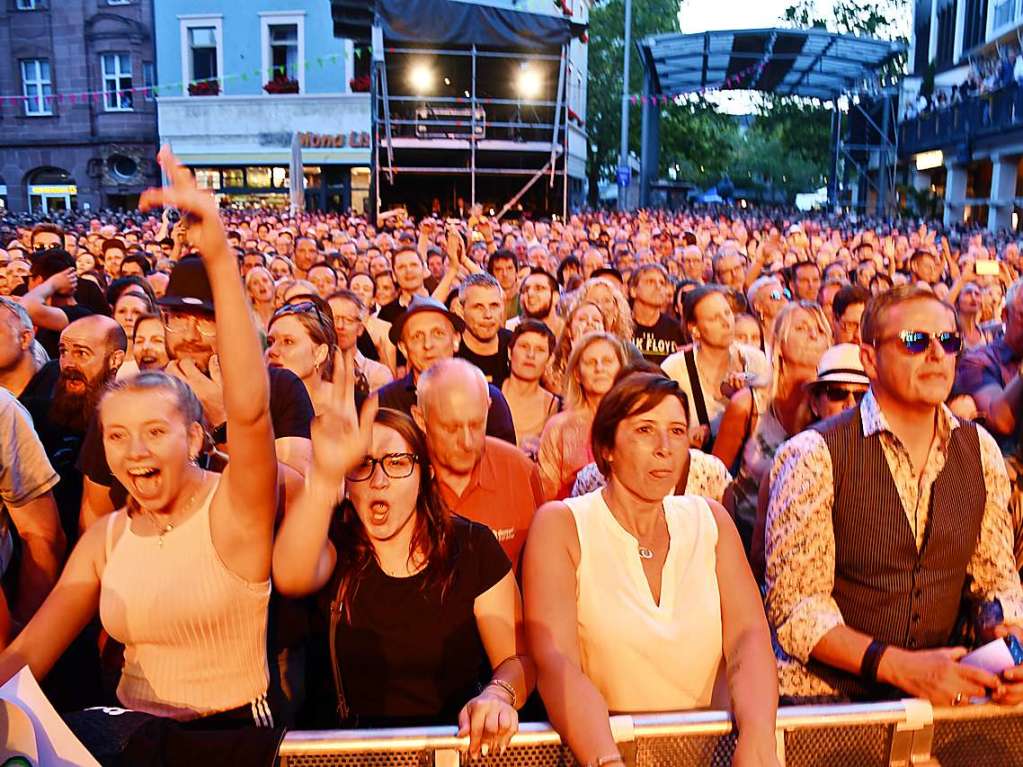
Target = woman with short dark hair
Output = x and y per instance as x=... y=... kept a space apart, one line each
x=637 y=600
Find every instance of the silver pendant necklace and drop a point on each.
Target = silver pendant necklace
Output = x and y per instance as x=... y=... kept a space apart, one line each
x=645 y=553
x=162 y=530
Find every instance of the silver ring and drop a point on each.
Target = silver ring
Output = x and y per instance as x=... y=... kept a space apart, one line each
x=957 y=699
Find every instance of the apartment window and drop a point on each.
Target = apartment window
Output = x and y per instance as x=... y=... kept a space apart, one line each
x=946 y=17
x=27 y=5
x=974 y=23
x=36 y=86
x=148 y=80
x=283 y=50
x=118 y=2
x=202 y=46
x=117 y=95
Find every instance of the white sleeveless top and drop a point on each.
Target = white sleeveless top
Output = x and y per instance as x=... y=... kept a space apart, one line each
x=194 y=633
x=640 y=655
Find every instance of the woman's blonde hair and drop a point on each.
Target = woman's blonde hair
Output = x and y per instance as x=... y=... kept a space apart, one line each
x=783 y=326
x=622 y=325
x=575 y=397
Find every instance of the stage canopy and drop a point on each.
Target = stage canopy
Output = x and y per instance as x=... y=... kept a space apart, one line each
x=812 y=63
x=448 y=22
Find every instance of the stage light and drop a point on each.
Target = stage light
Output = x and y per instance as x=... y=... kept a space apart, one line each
x=420 y=77
x=529 y=82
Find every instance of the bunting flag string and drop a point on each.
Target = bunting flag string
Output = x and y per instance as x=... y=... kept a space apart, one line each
x=730 y=82
x=206 y=85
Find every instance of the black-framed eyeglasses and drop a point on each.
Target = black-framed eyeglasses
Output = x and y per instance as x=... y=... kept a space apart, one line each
x=919 y=341
x=839 y=393
x=394 y=465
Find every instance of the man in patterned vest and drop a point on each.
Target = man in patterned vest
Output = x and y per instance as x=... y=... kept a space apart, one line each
x=882 y=519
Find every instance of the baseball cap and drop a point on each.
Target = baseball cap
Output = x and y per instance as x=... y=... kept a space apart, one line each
x=188 y=288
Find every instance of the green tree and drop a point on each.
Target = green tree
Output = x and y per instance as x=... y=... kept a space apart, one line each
x=604 y=86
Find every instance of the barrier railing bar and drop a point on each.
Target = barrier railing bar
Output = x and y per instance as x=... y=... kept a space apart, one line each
x=693 y=724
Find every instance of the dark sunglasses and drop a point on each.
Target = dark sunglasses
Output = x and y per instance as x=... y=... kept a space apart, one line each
x=917 y=341
x=301 y=307
x=838 y=393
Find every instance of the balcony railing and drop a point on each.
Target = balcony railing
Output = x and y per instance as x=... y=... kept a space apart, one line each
x=962 y=124
x=903 y=733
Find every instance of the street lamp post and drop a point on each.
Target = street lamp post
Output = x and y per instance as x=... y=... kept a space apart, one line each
x=623 y=153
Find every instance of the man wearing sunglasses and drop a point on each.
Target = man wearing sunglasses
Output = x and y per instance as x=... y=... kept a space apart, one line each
x=878 y=517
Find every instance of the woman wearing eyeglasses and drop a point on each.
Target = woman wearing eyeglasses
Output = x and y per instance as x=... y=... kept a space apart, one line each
x=801 y=335
x=413 y=603
x=301 y=338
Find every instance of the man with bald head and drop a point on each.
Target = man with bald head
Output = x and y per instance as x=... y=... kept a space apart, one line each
x=482 y=478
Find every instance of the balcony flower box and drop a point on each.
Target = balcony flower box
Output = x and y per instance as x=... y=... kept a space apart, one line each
x=281 y=84
x=359 y=84
x=204 y=88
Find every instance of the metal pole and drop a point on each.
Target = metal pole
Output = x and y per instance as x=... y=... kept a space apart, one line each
x=883 y=201
x=557 y=111
x=836 y=122
x=623 y=152
x=472 y=135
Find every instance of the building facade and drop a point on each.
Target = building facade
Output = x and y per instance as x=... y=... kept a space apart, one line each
x=238 y=81
x=77 y=125
x=961 y=130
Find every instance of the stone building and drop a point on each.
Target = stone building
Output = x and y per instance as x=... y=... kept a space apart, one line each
x=77 y=127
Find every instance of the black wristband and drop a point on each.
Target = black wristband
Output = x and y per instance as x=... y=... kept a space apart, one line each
x=871 y=660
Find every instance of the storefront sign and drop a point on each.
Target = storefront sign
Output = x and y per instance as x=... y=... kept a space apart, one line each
x=55 y=189
x=353 y=140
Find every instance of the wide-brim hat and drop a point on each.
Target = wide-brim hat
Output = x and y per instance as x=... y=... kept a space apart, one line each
x=418 y=305
x=188 y=288
x=841 y=364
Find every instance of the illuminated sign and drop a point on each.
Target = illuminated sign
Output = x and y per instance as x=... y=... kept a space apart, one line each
x=928 y=160
x=353 y=140
x=53 y=189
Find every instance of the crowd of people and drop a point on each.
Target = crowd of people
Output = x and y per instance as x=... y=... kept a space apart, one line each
x=263 y=470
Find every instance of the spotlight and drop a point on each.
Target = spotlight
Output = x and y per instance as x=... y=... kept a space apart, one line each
x=529 y=82
x=447 y=81
x=420 y=77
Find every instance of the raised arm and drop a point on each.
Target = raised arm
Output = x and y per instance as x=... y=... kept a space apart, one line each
x=574 y=705
x=243 y=527
x=43 y=315
x=303 y=557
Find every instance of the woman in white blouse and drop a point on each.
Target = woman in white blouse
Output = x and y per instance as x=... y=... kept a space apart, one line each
x=637 y=600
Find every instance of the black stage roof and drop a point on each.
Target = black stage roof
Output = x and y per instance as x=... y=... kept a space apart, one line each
x=812 y=63
x=448 y=22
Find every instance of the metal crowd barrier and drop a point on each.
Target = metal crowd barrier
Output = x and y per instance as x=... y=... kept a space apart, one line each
x=906 y=733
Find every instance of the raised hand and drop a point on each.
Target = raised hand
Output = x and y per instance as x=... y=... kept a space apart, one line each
x=340 y=438
x=205 y=229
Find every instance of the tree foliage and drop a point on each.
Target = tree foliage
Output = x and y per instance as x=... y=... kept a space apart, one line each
x=785 y=149
x=604 y=89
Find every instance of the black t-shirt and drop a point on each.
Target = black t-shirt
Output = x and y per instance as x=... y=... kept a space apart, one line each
x=392 y=311
x=291 y=412
x=62 y=445
x=50 y=339
x=657 y=342
x=407 y=656
x=494 y=366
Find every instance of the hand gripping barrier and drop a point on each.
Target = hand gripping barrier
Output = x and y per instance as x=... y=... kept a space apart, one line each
x=906 y=733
